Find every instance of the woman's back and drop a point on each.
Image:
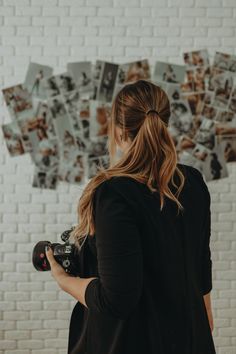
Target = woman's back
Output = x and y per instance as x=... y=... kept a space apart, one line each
x=154 y=268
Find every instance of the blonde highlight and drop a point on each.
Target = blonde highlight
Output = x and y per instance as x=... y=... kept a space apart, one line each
x=151 y=157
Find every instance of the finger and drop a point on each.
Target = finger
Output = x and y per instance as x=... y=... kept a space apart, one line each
x=50 y=256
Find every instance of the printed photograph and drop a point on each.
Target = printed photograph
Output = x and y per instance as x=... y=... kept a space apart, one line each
x=202 y=154
x=72 y=166
x=35 y=132
x=196 y=102
x=95 y=163
x=225 y=61
x=173 y=91
x=196 y=79
x=216 y=78
x=228 y=143
x=197 y=58
x=107 y=84
x=130 y=72
x=44 y=119
x=205 y=135
x=50 y=86
x=71 y=100
x=75 y=123
x=185 y=143
x=84 y=109
x=13 y=138
x=82 y=75
x=181 y=117
x=223 y=90
x=168 y=72
x=45 y=180
x=187 y=158
x=100 y=115
x=85 y=131
x=57 y=107
x=33 y=81
x=164 y=85
x=215 y=165
x=32 y=129
x=65 y=83
x=209 y=97
x=61 y=120
x=232 y=102
x=97 y=70
x=226 y=117
x=83 y=144
x=209 y=112
x=46 y=156
x=98 y=147
x=18 y=101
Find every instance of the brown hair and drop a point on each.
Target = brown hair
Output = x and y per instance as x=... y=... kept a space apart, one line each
x=151 y=157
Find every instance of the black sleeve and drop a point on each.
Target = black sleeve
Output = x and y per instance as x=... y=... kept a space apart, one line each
x=118 y=288
x=206 y=256
x=206 y=262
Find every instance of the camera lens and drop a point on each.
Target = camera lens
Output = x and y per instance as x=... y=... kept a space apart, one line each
x=39 y=258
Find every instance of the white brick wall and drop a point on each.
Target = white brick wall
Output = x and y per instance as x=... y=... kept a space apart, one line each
x=36 y=313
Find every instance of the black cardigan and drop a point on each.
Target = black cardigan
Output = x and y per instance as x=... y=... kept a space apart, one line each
x=154 y=268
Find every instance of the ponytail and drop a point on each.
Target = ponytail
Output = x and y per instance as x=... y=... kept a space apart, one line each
x=142 y=111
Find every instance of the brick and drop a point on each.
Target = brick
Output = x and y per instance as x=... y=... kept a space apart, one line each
x=45 y=21
x=209 y=3
x=28 y=11
x=7 y=344
x=6 y=11
x=44 y=334
x=6 y=305
x=55 y=324
x=17 y=296
x=193 y=12
x=219 y=12
x=56 y=343
x=29 y=324
x=29 y=306
x=55 y=11
x=42 y=315
x=12 y=315
x=31 y=344
x=17 y=335
x=17 y=20
x=56 y=305
x=44 y=296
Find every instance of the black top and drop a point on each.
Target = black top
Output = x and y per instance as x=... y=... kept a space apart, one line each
x=154 y=268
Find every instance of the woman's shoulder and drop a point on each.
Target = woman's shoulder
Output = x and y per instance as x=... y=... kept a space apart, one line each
x=121 y=189
x=190 y=170
x=194 y=178
x=118 y=183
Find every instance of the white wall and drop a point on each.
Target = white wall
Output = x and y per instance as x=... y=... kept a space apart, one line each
x=36 y=313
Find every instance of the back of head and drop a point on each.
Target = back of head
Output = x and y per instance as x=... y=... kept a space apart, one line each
x=142 y=111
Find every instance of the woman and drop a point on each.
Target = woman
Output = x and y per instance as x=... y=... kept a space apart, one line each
x=146 y=266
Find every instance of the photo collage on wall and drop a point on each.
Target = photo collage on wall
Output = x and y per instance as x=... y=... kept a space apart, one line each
x=203 y=115
x=62 y=120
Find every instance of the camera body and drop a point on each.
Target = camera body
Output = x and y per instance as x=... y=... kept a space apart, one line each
x=67 y=255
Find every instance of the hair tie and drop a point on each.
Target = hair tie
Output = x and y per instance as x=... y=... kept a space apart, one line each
x=152 y=110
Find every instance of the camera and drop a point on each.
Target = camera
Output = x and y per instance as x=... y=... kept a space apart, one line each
x=67 y=255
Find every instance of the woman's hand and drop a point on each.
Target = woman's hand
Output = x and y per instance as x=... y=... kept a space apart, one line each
x=75 y=286
x=207 y=301
x=57 y=271
x=210 y=319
